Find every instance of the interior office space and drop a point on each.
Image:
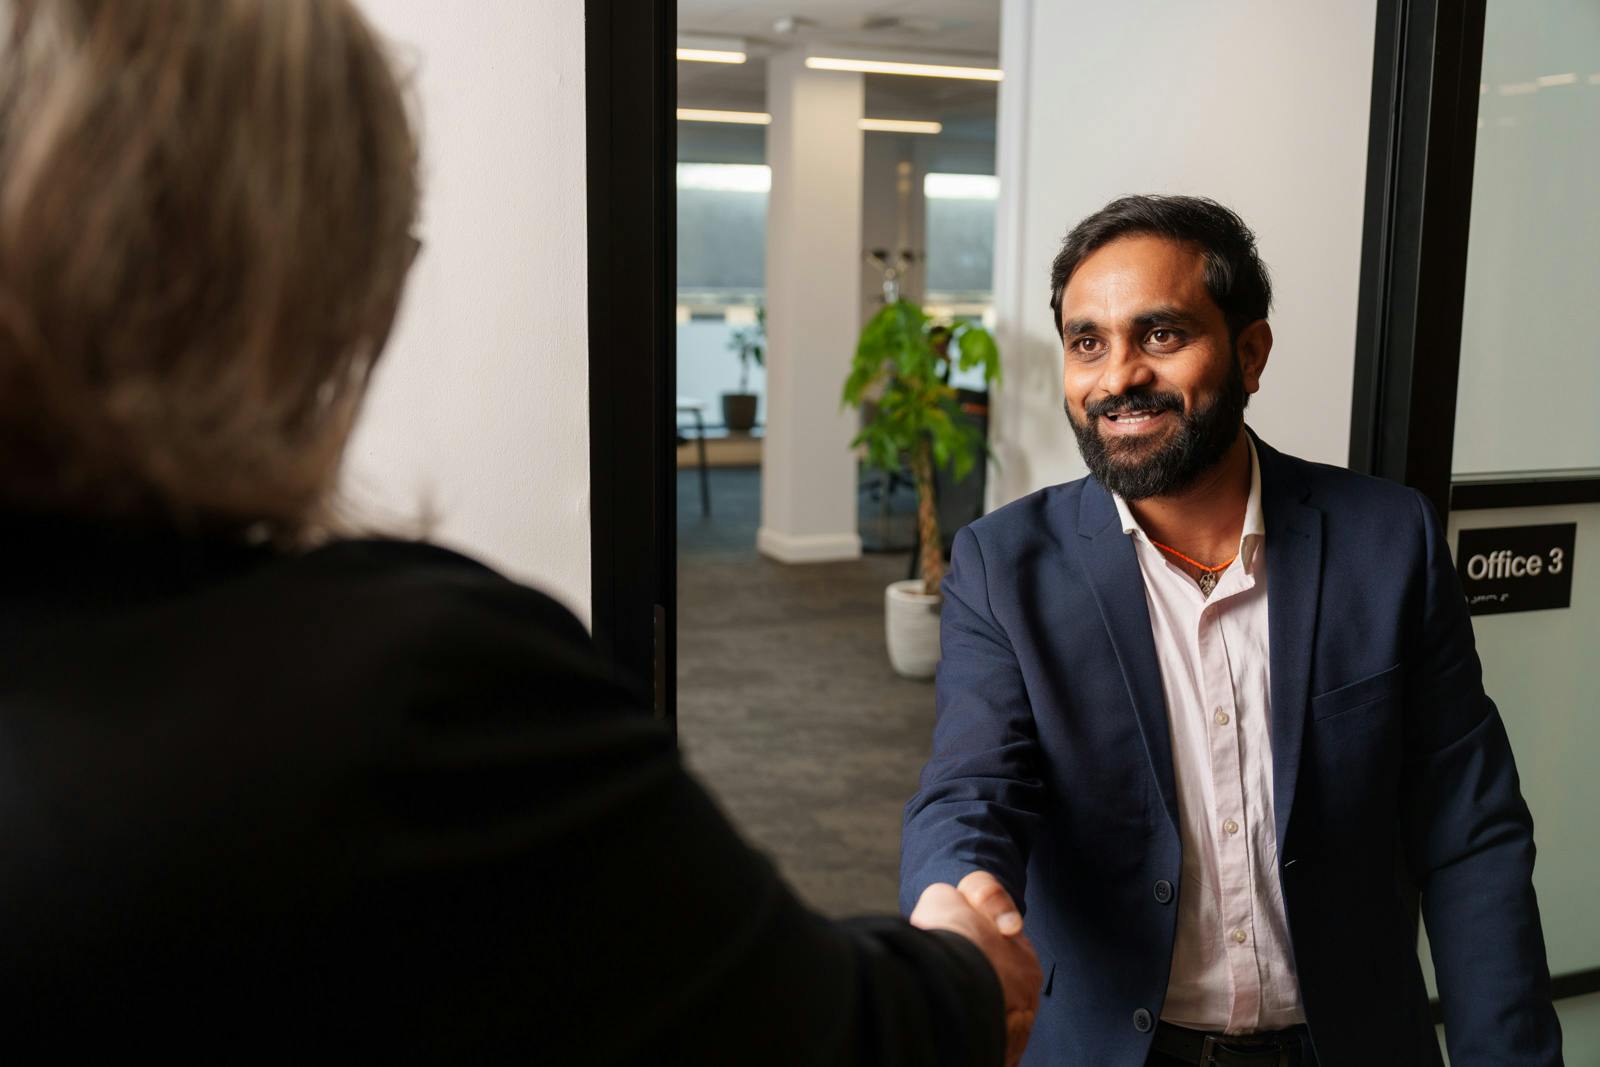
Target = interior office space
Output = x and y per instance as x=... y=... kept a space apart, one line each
x=1405 y=216
x=1418 y=176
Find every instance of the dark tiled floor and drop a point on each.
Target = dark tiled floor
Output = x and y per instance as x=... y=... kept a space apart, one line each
x=787 y=707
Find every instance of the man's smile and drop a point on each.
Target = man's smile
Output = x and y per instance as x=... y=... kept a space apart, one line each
x=1134 y=423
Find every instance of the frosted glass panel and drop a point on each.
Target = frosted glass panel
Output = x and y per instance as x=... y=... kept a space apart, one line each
x=1530 y=343
x=1538 y=667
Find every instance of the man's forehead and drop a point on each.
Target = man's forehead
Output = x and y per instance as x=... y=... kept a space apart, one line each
x=1125 y=275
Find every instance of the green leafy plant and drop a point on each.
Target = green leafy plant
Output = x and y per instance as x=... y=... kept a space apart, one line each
x=751 y=344
x=901 y=369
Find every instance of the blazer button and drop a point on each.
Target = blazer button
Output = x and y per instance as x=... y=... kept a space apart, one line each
x=1163 y=892
x=1141 y=1021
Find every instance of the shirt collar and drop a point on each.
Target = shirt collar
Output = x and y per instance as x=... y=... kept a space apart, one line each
x=1255 y=526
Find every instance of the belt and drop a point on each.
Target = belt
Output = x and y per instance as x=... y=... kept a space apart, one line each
x=1278 y=1048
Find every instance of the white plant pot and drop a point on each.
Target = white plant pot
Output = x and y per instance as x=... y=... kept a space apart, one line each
x=911 y=622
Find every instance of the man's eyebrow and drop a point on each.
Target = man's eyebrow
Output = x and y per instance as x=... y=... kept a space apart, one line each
x=1161 y=315
x=1164 y=315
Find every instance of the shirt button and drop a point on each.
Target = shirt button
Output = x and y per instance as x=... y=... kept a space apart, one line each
x=1238 y=937
x=1142 y=1021
x=1230 y=827
x=1163 y=892
x=1222 y=717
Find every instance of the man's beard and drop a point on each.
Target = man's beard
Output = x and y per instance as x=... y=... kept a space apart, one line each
x=1201 y=441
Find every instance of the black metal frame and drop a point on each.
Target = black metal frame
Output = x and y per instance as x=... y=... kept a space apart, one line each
x=1427 y=61
x=1427 y=58
x=630 y=76
x=1554 y=490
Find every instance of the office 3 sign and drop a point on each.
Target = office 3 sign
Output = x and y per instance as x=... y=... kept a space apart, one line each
x=1516 y=568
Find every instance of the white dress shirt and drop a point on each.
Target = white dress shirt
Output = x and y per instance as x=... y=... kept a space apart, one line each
x=1232 y=968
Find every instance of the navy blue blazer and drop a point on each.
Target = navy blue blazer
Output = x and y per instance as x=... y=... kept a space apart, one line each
x=1052 y=769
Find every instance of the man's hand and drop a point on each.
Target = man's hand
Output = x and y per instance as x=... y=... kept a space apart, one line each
x=985 y=893
x=944 y=907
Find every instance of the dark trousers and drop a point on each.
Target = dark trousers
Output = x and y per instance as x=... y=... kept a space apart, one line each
x=1158 y=1060
x=1161 y=1059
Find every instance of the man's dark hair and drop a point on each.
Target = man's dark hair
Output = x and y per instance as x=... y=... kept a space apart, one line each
x=1235 y=276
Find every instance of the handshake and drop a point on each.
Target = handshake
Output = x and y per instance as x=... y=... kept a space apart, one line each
x=980 y=910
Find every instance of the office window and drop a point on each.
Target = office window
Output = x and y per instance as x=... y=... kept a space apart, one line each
x=722 y=233
x=960 y=239
x=722 y=248
x=960 y=250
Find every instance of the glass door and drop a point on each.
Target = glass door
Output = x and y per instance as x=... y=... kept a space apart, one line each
x=1477 y=381
x=1525 y=459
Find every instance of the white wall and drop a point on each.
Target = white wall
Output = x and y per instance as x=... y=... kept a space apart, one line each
x=1256 y=103
x=479 y=412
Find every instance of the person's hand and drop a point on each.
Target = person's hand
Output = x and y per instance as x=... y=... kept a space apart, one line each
x=944 y=907
x=985 y=893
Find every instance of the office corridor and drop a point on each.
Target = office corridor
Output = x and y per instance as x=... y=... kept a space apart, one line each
x=787 y=707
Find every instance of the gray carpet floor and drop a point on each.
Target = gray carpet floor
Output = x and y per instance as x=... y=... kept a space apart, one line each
x=787 y=707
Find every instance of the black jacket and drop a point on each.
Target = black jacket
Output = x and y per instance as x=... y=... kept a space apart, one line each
x=378 y=797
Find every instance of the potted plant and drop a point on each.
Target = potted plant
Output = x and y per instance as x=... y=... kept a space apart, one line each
x=900 y=379
x=739 y=409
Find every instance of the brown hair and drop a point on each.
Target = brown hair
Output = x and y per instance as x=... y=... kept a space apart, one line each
x=205 y=214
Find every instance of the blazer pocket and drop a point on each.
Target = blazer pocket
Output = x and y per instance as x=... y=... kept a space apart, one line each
x=1360 y=694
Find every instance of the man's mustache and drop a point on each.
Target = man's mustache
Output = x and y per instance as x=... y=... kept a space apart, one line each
x=1134 y=404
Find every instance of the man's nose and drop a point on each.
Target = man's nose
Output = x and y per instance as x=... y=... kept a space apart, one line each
x=1125 y=369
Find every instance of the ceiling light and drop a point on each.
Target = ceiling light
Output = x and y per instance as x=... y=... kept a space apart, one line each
x=900 y=126
x=709 y=55
x=1547 y=81
x=747 y=118
x=701 y=49
x=883 y=66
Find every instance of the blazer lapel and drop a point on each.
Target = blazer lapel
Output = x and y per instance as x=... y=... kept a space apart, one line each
x=1294 y=589
x=1112 y=568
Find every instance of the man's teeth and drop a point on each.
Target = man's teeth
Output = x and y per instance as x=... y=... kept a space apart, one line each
x=1141 y=417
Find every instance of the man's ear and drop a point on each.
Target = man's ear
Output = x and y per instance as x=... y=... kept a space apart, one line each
x=1254 y=345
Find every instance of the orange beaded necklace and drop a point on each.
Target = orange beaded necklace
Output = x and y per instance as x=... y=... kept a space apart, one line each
x=1208 y=576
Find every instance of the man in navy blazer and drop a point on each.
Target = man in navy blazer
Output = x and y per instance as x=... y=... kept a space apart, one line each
x=1203 y=712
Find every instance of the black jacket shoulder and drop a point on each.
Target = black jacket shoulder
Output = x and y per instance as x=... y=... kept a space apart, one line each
x=378 y=795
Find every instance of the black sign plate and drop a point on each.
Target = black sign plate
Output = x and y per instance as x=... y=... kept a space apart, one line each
x=1516 y=568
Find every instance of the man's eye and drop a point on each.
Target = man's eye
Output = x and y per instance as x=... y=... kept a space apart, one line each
x=1086 y=345
x=1163 y=337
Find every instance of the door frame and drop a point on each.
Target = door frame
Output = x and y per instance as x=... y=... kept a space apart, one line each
x=631 y=91
x=1422 y=136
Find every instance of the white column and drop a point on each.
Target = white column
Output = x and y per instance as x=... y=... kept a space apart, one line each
x=814 y=256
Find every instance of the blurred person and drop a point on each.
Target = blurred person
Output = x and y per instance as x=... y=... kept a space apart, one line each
x=267 y=788
x=1193 y=706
